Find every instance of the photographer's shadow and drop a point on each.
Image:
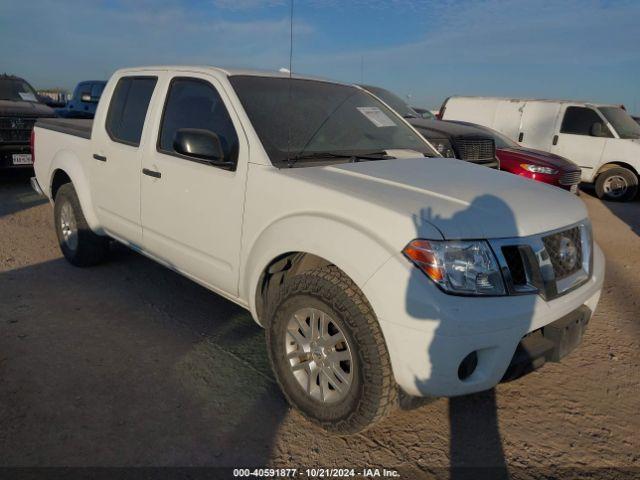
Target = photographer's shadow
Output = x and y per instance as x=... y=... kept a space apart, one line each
x=475 y=448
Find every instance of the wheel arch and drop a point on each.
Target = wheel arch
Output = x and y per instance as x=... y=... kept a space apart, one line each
x=614 y=164
x=67 y=167
x=301 y=242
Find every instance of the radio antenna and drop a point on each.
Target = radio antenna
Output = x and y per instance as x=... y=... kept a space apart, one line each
x=291 y=40
x=290 y=70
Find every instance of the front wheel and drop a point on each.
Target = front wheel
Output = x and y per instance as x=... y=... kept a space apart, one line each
x=79 y=245
x=328 y=353
x=617 y=184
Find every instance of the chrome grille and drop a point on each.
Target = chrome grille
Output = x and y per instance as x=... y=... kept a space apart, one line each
x=475 y=148
x=570 y=178
x=549 y=264
x=16 y=129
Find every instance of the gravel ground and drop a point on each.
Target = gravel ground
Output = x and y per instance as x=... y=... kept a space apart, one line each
x=129 y=364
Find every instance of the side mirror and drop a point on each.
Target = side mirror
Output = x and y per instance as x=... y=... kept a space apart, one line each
x=596 y=130
x=202 y=144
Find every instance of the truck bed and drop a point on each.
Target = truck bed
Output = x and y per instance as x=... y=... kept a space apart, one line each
x=78 y=127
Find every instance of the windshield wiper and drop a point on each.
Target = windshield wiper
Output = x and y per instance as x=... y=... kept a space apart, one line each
x=352 y=156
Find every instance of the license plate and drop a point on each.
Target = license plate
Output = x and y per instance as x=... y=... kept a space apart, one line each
x=22 y=159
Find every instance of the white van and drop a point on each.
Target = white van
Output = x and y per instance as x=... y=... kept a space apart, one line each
x=602 y=139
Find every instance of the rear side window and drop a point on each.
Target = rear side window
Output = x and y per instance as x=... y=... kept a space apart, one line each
x=128 y=109
x=193 y=103
x=579 y=120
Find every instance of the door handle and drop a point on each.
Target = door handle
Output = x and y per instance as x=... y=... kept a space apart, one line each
x=521 y=136
x=555 y=140
x=151 y=173
x=100 y=157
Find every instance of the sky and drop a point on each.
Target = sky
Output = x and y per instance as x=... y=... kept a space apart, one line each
x=423 y=50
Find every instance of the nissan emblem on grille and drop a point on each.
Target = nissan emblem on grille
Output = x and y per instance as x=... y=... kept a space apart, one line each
x=568 y=254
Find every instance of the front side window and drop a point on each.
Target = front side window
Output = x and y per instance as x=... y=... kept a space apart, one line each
x=622 y=122
x=580 y=121
x=303 y=120
x=128 y=109
x=196 y=104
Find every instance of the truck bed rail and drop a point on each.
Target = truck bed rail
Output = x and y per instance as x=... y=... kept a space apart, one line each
x=70 y=126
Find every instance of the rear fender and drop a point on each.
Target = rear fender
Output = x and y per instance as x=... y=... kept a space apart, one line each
x=69 y=163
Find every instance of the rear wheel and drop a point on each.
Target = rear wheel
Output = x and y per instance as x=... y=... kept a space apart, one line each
x=617 y=184
x=79 y=245
x=328 y=353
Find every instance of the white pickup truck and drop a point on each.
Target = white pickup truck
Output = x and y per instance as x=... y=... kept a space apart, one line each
x=375 y=266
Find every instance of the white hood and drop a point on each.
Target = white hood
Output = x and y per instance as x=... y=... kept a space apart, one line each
x=460 y=199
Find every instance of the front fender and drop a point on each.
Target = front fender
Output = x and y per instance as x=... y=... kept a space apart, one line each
x=353 y=249
x=68 y=162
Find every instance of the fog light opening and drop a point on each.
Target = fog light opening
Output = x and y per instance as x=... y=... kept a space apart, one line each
x=468 y=366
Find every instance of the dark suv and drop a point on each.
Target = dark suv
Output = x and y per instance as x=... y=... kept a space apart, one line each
x=450 y=139
x=19 y=110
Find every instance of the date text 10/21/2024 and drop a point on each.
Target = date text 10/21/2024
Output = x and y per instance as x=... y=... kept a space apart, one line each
x=316 y=472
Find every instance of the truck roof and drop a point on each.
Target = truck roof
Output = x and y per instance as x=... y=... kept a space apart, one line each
x=229 y=72
x=546 y=100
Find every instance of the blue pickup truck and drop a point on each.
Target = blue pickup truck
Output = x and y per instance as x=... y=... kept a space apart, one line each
x=84 y=100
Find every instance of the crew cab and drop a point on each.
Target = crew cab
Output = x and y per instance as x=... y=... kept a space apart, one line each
x=19 y=110
x=375 y=265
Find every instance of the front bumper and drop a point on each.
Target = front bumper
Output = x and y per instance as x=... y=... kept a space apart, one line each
x=429 y=333
x=550 y=343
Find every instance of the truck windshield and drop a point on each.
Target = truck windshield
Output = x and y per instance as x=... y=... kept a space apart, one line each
x=17 y=90
x=306 y=120
x=621 y=122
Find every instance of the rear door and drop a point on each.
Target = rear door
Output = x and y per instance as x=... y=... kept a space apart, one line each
x=574 y=141
x=117 y=157
x=192 y=209
x=537 y=125
x=507 y=118
x=471 y=109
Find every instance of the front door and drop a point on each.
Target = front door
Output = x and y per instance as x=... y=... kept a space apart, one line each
x=575 y=139
x=191 y=207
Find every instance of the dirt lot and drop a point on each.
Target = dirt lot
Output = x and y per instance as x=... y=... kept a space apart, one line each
x=130 y=364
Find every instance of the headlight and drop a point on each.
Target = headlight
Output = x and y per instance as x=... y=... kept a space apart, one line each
x=538 y=169
x=443 y=146
x=458 y=266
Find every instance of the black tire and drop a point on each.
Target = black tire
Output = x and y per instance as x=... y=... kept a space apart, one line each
x=87 y=248
x=373 y=393
x=621 y=174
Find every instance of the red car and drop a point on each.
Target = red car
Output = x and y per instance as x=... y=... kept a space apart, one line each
x=535 y=164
